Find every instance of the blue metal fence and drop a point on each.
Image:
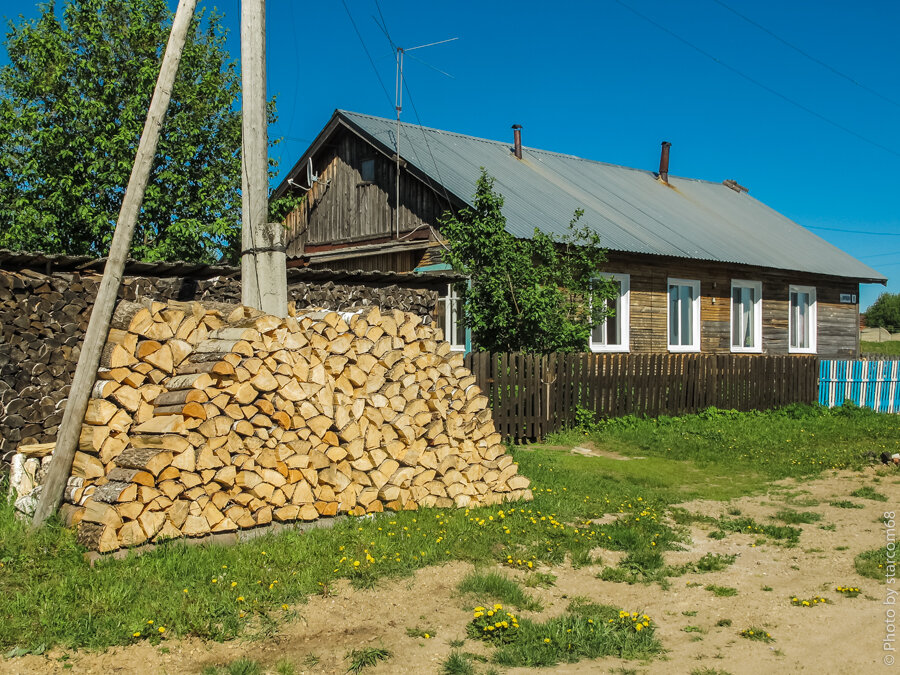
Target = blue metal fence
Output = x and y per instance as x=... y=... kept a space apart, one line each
x=871 y=384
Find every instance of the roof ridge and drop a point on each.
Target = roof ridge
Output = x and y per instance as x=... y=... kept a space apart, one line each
x=524 y=147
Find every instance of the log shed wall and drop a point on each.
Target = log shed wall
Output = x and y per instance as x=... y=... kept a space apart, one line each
x=43 y=318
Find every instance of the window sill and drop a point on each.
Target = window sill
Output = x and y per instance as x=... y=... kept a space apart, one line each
x=610 y=349
x=683 y=349
x=746 y=350
x=795 y=350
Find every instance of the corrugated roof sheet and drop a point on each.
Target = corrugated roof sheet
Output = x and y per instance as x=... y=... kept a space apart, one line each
x=630 y=209
x=43 y=262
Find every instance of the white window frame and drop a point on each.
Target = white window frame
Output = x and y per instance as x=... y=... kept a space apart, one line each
x=451 y=318
x=812 y=317
x=757 y=317
x=695 y=315
x=623 y=316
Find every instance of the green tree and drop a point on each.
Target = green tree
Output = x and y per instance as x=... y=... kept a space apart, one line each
x=534 y=295
x=73 y=102
x=885 y=313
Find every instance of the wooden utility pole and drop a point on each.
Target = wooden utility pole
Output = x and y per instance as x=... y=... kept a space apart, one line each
x=105 y=304
x=263 y=263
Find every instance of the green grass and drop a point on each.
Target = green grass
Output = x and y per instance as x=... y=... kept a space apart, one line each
x=53 y=598
x=722 y=591
x=365 y=658
x=795 y=441
x=868 y=492
x=792 y=517
x=585 y=633
x=239 y=667
x=756 y=633
x=871 y=563
x=846 y=504
x=424 y=633
x=891 y=348
x=285 y=667
x=499 y=587
x=539 y=580
x=457 y=663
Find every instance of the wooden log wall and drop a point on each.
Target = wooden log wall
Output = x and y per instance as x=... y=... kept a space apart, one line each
x=534 y=395
x=838 y=323
x=210 y=418
x=43 y=318
x=341 y=207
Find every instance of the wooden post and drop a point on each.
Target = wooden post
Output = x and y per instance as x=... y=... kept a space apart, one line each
x=263 y=264
x=105 y=304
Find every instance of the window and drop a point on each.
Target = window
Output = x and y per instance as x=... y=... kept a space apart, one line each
x=684 y=315
x=367 y=170
x=802 y=320
x=450 y=319
x=746 y=316
x=613 y=334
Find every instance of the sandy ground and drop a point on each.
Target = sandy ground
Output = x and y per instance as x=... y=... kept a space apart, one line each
x=843 y=637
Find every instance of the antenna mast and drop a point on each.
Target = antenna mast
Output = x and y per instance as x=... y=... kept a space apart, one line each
x=398 y=106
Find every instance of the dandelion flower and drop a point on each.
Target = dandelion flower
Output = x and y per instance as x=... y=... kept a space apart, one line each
x=162 y=629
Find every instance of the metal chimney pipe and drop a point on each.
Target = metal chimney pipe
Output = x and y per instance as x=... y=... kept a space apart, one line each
x=517 y=140
x=664 y=162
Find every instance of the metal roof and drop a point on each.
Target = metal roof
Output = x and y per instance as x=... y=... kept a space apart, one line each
x=55 y=262
x=630 y=209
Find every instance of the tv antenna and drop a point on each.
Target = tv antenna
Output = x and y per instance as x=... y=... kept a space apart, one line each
x=398 y=101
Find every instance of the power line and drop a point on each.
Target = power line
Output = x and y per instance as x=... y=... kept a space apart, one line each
x=807 y=54
x=879 y=255
x=428 y=145
x=758 y=83
x=366 y=49
x=838 y=229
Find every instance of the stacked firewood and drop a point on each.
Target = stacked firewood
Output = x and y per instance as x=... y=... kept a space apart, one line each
x=421 y=301
x=42 y=322
x=210 y=418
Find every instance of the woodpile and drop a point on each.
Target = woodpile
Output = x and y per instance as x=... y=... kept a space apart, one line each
x=43 y=318
x=343 y=297
x=210 y=418
x=42 y=322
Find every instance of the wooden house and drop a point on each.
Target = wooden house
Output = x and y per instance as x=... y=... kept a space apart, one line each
x=701 y=266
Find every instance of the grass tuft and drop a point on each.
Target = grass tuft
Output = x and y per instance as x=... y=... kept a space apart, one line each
x=722 y=591
x=365 y=657
x=868 y=492
x=792 y=517
x=575 y=636
x=498 y=587
x=846 y=504
x=870 y=563
x=457 y=663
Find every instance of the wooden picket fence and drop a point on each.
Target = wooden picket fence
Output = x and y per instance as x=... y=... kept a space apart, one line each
x=533 y=395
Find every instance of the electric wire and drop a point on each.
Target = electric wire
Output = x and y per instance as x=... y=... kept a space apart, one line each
x=366 y=50
x=807 y=54
x=757 y=82
x=839 y=229
x=878 y=255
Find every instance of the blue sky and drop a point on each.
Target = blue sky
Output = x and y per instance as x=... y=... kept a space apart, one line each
x=596 y=80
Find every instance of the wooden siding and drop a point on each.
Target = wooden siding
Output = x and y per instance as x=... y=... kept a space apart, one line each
x=342 y=208
x=837 y=332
